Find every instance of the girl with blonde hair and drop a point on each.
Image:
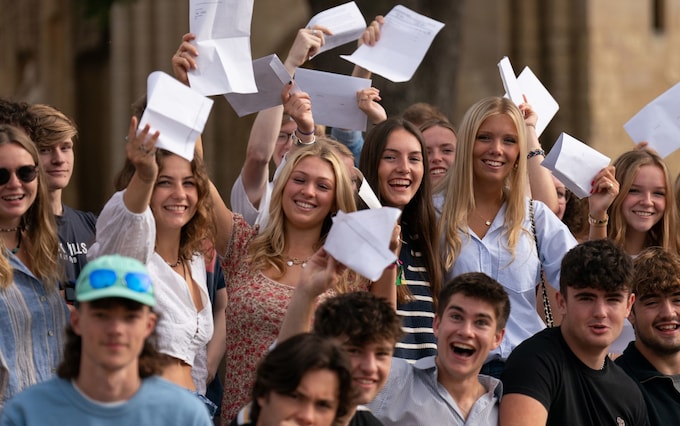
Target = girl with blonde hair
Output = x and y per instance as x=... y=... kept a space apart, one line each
x=33 y=311
x=486 y=223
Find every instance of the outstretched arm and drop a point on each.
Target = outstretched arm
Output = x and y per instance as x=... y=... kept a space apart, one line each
x=321 y=274
x=605 y=189
x=141 y=152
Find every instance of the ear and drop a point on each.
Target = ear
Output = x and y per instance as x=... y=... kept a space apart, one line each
x=498 y=338
x=435 y=325
x=151 y=323
x=629 y=305
x=75 y=321
x=561 y=303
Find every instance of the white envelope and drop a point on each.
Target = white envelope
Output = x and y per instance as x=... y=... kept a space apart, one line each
x=270 y=76
x=345 y=22
x=361 y=240
x=177 y=111
x=658 y=123
x=575 y=164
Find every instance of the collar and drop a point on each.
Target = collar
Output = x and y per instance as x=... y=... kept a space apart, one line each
x=639 y=365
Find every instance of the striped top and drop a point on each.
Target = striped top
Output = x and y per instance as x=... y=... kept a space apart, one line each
x=417 y=315
x=32 y=339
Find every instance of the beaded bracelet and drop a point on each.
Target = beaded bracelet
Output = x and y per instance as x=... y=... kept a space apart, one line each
x=598 y=222
x=535 y=152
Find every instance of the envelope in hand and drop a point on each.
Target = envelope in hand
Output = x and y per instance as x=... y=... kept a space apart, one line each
x=575 y=164
x=361 y=240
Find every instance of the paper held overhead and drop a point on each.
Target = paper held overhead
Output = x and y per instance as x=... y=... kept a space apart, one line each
x=345 y=22
x=224 y=61
x=658 y=123
x=405 y=37
x=575 y=164
x=527 y=84
x=360 y=240
x=177 y=111
x=270 y=76
x=334 y=98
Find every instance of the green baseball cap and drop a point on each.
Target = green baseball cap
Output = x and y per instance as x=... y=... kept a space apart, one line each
x=115 y=276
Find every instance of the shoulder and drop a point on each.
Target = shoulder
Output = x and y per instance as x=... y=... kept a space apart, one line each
x=169 y=396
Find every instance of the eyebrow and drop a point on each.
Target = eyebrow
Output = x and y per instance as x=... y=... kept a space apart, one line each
x=658 y=295
x=460 y=309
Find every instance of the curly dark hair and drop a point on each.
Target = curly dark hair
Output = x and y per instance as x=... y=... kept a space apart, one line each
x=282 y=369
x=656 y=271
x=597 y=264
x=359 y=316
x=480 y=286
x=150 y=360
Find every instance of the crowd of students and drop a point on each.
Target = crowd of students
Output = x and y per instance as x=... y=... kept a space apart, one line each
x=454 y=332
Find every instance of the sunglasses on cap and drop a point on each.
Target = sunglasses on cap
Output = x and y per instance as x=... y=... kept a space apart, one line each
x=135 y=281
x=26 y=174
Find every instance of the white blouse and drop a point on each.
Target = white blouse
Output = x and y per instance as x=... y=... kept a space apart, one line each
x=182 y=330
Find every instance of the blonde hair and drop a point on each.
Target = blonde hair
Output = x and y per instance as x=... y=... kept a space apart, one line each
x=51 y=125
x=268 y=247
x=37 y=223
x=664 y=232
x=459 y=196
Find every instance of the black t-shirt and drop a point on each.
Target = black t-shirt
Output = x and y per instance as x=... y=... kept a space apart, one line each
x=76 y=231
x=544 y=368
x=364 y=418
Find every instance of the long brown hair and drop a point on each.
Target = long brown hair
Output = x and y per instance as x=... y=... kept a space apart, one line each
x=37 y=225
x=201 y=226
x=418 y=216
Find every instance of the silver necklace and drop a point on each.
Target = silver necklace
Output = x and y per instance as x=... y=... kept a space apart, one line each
x=296 y=261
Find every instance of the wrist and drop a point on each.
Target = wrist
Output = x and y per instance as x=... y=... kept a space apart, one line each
x=304 y=133
x=297 y=141
x=598 y=222
x=535 y=152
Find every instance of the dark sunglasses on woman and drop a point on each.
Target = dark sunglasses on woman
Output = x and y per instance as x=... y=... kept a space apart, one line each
x=26 y=174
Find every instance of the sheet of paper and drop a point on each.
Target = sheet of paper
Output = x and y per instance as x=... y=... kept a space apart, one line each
x=575 y=164
x=270 y=76
x=404 y=40
x=177 y=111
x=361 y=240
x=334 y=98
x=345 y=22
x=366 y=193
x=658 y=123
x=222 y=29
x=510 y=83
x=538 y=97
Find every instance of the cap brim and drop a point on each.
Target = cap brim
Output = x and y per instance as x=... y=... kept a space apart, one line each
x=120 y=292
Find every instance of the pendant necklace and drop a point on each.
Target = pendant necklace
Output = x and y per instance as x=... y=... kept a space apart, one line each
x=296 y=261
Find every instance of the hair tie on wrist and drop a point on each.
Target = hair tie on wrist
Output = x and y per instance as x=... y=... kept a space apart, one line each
x=535 y=152
x=305 y=133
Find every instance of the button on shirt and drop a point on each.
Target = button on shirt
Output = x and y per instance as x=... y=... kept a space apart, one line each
x=33 y=321
x=518 y=275
x=413 y=396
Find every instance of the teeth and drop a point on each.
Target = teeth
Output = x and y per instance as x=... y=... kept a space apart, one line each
x=403 y=182
x=667 y=327
x=437 y=171
x=13 y=197
x=463 y=346
x=644 y=213
x=365 y=381
x=494 y=163
x=304 y=205
x=176 y=208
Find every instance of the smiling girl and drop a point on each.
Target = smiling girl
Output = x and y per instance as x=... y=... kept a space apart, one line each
x=486 y=223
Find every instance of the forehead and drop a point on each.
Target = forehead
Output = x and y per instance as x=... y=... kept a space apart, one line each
x=314 y=166
x=498 y=121
x=174 y=164
x=574 y=291
x=12 y=154
x=402 y=140
x=470 y=305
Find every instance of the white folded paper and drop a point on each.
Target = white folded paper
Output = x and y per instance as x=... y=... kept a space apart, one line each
x=658 y=123
x=366 y=192
x=224 y=61
x=404 y=39
x=529 y=85
x=345 y=22
x=361 y=240
x=334 y=98
x=575 y=164
x=177 y=111
x=270 y=76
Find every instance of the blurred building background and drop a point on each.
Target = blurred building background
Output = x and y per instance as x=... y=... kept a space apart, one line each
x=602 y=60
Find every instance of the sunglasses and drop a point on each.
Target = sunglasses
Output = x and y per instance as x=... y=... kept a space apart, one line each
x=26 y=174
x=135 y=281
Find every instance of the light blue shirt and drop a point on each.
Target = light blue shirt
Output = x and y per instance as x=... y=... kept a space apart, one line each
x=33 y=320
x=519 y=276
x=413 y=396
x=57 y=402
